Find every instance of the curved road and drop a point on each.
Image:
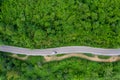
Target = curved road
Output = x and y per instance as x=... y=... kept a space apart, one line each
x=60 y=50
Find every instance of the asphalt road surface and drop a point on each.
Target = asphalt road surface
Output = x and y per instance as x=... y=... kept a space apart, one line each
x=60 y=50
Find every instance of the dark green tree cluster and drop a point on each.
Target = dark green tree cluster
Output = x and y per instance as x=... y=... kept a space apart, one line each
x=53 y=23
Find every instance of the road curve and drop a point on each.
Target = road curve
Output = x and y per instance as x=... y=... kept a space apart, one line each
x=60 y=50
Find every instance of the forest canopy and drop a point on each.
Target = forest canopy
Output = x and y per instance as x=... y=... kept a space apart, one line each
x=53 y=23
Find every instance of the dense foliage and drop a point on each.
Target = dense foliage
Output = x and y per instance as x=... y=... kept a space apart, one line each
x=68 y=69
x=52 y=23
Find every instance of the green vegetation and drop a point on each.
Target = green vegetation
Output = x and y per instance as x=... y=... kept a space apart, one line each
x=68 y=69
x=54 y=23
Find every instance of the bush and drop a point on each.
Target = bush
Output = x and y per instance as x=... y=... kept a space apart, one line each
x=53 y=23
x=67 y=69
